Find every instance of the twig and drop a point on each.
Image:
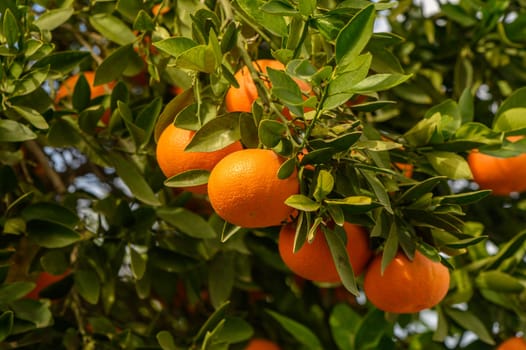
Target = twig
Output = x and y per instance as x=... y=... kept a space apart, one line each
x=36 y=151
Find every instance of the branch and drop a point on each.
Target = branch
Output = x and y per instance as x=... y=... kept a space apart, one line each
x=36 y=151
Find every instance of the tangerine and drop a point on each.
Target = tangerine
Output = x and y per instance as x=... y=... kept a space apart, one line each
x=501 y=175
x=406 y=286
x=313 y=261
x=241 y=99
x=244 y=189
x=261 y=344
x=44 y=280
x=173 y=159
x=514 y=343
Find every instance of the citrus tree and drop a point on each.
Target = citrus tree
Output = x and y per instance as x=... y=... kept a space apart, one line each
x=252 y=174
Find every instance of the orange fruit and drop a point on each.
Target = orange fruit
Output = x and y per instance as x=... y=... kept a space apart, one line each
x=241 y=99
x=314 y=260
x=244 y=189
x=406 y=168
x=157 y=10
x=261 y=344
x=501 y=175
x=514 y=343
x=68 y=87
x=173 y=159
x=44 y=280
x=406 y=286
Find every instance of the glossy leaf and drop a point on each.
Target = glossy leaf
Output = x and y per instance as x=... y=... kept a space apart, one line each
x=6 y=324
x=187 y=221
x=300 y=332
x=51 y=235
x=353 y=38
x=112 y=28
x=341 y=260
x=53 y=19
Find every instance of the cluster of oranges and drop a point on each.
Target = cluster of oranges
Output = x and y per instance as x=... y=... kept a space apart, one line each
x=244 y=189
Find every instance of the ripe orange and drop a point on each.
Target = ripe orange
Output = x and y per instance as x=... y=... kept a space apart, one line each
x=44 y=280
x=314 y=260
x=515 y=343
x=261 y=344
x=406 y=286
x=406 y=168
x=502 y=175
x=173 y=159
x=244 y=189
x=156 y=9
x=68 y=86
x=241 y=99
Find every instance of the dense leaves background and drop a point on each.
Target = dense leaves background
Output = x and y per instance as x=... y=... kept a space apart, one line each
x=150 y=266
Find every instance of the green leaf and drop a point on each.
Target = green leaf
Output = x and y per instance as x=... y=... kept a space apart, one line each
x=138 y=263
x=175 y=46
x=15 y=290
x=112 y=28
x=51 y=212
x=87 y=284
x=51 y=235
x=133 y=179
x=188 y=178
x=515 y=100
x=11 y=131
x=147 y=118
x=143 y=22
x=188 y=222
x=466 y=106
x=61 y=63
x=32 y=116
x=113 y=65
x=351 y=200
x=302 y=202
x=173 y=108
x=166 y=341
x=421 y=188
x=510 y=120
x=390 y=247
x=380 y=82
x=307 y=7
x=10 y=28
x=213 y=320
x=341 y=259
x=499 y=281
x=52 y=19
x=324 y=185
x=378 y=189
x=216 y=134
x=344 y=322
x=353 y=38
x=420 y=134
x=199 y=58
x=33 y=311
x=31 y=81
x=464 y=198
x=234 y=330
x=373 y=327
x=287 y=169
x=301 y=333
x=274 y=23
x=449 y=164
x=270 y=132
x=6 y=324
x=469 y=321
x=221 y=278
